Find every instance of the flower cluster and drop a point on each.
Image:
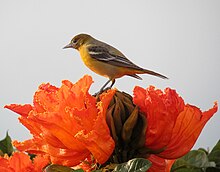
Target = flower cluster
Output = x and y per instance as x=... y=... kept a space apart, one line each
x=72 y=127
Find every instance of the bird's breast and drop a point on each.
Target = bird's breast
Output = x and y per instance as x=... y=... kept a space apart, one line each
x=99 y=67
x=86 y=58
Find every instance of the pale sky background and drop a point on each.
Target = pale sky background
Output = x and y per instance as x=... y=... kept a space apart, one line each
x=178 y=38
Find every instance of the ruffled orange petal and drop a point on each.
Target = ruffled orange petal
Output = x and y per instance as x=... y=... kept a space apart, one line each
x=98 y=141
x=20 y=162
x=4 y=165
x=57 y=130
x=76 y=95
x=188 y=126
x=161 y=110
x=40 y=162
x=66 y=157
x=40 y=132
x=45 y=98
x=22 y=110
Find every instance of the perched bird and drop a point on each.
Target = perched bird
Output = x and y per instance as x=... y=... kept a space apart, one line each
x=106 y=60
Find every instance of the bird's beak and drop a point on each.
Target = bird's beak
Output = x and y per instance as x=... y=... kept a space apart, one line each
x=68 y=46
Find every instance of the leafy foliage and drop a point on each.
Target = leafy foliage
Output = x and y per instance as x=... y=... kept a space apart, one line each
x=6 y=145
x=134 y=165
x=199 y=161
x=60 y=168
x=215 y=157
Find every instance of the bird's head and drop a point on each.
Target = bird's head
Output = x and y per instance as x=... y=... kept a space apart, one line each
x=77 y=41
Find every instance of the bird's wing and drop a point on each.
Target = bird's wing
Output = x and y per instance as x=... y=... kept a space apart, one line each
x=111 y=57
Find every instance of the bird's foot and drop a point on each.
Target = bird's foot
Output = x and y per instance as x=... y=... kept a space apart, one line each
x=101 y=91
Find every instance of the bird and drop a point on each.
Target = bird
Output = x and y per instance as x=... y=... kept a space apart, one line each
x=106 y=60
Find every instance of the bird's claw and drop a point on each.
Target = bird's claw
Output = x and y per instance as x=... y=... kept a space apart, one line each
x=101 y=91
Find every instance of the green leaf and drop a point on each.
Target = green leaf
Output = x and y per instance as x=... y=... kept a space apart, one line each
x=215 y=154
x=134 y=165
x=6 y=145
x=194 y=161
x=60 y=168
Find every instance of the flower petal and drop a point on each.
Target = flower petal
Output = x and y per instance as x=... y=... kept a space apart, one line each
x=188 y=126
x=20 y=162
x=40 y=132
x=161 y=110
x=76 y=95
x=40 y=162
x=45 y=98
x=158 y=164
x=22 y=110
x=4 y=165
x=66 y=157
x=169 y=164
x=98 y=141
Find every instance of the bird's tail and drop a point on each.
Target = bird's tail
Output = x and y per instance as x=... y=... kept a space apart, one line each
x=143 y=71
x=154 y=73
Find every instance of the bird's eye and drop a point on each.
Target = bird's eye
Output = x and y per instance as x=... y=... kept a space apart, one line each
x=74 y=41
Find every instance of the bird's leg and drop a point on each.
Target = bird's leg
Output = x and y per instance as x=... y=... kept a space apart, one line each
x=103 y=87
x=113 y=82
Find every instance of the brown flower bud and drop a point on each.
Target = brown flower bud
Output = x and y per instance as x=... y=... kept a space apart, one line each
x=128 y=127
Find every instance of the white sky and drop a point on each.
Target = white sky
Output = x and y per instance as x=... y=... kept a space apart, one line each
x=180 y=39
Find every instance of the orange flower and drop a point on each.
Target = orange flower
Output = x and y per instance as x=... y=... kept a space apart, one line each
x=173 y=127
x=20 y=162
x=161 y=110
x=67 y=124
x=187 y=129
